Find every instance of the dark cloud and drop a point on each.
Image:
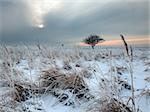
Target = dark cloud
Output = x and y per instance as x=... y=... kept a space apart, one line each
x=15 y=15
x=113 y=18
x=14 y=20
x=74 y=21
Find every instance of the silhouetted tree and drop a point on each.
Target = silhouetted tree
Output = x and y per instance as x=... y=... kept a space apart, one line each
x=93 y=40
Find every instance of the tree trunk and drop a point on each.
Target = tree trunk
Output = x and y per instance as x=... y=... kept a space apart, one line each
x=93 y=46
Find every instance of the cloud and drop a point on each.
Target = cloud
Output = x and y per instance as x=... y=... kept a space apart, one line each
x=15 y=15
x=112 y=18
x=14 y=19
x=74 y=20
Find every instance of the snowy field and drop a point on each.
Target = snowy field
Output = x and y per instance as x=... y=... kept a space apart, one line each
x=43 y=79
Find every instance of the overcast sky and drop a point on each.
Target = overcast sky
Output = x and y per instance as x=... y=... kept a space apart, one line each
x=69 y=21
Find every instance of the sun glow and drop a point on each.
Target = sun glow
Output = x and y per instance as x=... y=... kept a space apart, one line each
x=42 y=7
x=41 y=26
x=133 y=41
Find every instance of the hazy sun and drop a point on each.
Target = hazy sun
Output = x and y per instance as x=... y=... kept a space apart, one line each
x=41 y=26
x=40 y=8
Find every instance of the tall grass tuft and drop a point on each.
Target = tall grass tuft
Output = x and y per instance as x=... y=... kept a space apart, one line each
x=130 y=56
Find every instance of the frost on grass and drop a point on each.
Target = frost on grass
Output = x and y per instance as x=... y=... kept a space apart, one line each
x=64 y=85
x=43 y=79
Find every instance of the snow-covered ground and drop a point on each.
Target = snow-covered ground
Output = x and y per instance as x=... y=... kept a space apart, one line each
x=105 y=71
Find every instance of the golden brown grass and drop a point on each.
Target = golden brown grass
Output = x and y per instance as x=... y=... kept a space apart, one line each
x=53 y=79
x=107 y=104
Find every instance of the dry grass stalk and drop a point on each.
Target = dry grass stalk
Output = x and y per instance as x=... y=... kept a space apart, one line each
x=131 y=71
x=130 y=54
x=125 y=44
x=23 y=91
x=146 y=92
x=53 y=79
x=109 y=105
x=131 y=49
x=147 y=79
